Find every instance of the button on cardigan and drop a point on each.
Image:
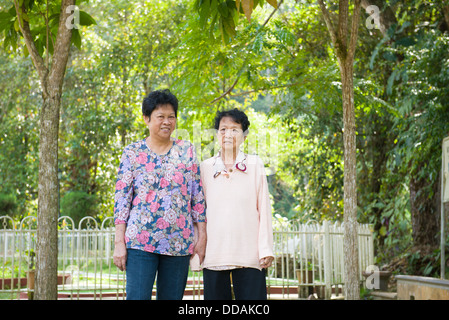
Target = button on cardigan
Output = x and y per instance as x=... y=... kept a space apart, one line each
x=239 y=226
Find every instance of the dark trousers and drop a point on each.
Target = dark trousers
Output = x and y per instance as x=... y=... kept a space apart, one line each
x=248 y=284
x=142 y=268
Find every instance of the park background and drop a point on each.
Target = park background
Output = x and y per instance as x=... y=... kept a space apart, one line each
x=284 y=74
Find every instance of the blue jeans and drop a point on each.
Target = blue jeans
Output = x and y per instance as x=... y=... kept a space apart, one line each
x=141 y=270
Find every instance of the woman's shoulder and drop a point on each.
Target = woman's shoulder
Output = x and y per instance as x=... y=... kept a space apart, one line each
x=254 y=159
x=133 y=148
x=183 y=143
x=184 y=147
x=207 y=164
x=135 y=145
x=209 y=161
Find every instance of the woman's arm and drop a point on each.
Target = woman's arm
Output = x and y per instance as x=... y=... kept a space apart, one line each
x=122 y=207
x=265 y=223
x=119 y=256
x=200 y=244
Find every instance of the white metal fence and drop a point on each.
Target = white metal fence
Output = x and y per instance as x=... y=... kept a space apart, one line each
x=308 y=260
x=85 y=268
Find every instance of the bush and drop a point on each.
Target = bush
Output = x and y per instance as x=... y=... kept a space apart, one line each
x=79 y=204
x=8 y=204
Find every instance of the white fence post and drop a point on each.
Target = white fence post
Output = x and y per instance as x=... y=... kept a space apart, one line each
x=327 y=261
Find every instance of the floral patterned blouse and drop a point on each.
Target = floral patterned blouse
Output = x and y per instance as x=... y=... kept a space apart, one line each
x=159 y=197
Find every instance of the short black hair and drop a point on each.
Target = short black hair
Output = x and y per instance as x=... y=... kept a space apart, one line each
x=236 y=115
x=156 y=98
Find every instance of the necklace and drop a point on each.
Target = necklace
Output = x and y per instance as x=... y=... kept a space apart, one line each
x=241 y=166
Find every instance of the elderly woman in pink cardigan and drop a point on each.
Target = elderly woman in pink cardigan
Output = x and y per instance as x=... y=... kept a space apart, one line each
x=239 y=230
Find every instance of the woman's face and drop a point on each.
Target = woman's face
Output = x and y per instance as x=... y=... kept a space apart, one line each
x=162 y=122
x=230 y=134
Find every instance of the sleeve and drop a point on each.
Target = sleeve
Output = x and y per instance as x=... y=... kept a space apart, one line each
x=198 y=203
x=123 y=190
x=264 y=208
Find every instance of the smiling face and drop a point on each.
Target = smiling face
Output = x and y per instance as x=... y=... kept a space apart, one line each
x=162 y=122
x=230 y=134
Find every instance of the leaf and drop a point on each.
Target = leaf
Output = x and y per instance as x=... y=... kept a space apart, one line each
x=247 y=6
x=376 y=51
x=5 y=21
x=204 y=11
x=406 y=41
x=16 y=25
x=228 y=25
x=273 y=3
x=76 y=38
x=391 y=82
x=86 y=19
x=223 y=9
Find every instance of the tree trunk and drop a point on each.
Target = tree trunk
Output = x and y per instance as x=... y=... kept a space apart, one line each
x=351 y=261
x=51 y=81
x=48 y=208
x=345 y=52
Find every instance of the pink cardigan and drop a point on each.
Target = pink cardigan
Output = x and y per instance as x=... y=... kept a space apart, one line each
x=238 y=212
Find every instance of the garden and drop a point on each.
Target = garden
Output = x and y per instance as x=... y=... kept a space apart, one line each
x=348 y=104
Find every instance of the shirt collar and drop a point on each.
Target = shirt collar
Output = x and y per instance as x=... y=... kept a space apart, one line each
x=240 y=163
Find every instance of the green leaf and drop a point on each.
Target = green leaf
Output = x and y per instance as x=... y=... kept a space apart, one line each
x=223 y=9
x=204 y=11
x=406 y=41
x=5 y=21
x=16 y=25
x=76 y=38
x=86 y=19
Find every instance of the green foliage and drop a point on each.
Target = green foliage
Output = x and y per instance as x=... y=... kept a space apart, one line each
x=221 y=16
x=8 y=204
x=34 y=11
x=78 y=204
x=283 y=75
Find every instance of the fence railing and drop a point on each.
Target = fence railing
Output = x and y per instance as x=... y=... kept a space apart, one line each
x=85 y=268
x=308 y=260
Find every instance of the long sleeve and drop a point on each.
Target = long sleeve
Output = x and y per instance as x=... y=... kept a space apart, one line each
x=198 y=203
x=123 y=190
x=265 y=220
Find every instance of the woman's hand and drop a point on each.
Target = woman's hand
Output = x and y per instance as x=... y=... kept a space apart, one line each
x=120 y=253
x=201 y=241
x=266 y=262
x=119 y=256
x=200 y=249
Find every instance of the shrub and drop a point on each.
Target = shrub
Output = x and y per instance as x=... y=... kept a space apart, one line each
x=79 y=204
x=8 y=204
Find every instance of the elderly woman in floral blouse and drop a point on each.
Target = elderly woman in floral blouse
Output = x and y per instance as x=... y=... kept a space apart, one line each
x=158 y=199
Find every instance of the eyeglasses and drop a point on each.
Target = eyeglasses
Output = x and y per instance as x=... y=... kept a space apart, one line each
x=232 y=131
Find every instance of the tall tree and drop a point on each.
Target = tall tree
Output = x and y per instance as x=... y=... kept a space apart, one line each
x=344 y=47
x=224 y=13
x=46 y=29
